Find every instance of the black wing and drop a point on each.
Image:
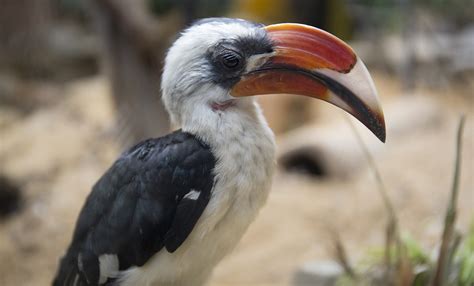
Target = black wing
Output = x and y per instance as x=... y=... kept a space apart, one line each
x=150 y=198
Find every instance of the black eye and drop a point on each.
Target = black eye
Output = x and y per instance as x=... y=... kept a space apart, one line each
x=231 y=59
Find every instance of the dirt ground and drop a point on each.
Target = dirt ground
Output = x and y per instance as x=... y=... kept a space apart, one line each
x=58 y=151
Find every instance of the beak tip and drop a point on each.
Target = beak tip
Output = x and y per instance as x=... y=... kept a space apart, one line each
x=380 y=130
x=382 y=136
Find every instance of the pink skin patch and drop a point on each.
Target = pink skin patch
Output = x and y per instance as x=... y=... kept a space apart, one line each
x=222 y=106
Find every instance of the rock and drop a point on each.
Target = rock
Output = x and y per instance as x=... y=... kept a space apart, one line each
x=318 y=273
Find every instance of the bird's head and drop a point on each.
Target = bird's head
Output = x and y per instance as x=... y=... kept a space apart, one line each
x=217 y=64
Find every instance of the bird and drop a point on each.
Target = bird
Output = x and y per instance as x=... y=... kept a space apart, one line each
x=170 y=208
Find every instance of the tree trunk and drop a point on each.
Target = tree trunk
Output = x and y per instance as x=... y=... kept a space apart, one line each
x=24 y=29
x=133 y=45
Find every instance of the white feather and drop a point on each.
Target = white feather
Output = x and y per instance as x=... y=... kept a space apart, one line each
x=192 y=195
x=108 y=267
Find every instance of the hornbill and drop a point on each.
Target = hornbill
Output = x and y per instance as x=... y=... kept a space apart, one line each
x=170 y=208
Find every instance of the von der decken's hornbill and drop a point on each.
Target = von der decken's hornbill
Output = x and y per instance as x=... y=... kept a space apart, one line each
x=170 y=208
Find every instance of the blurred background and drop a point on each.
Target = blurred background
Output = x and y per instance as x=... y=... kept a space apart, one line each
x=79 y=83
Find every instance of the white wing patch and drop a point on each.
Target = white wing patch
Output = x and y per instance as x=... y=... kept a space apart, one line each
x=192 y=195
x=109 y=267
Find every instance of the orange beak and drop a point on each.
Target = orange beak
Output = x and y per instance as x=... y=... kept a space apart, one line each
x=311 y=62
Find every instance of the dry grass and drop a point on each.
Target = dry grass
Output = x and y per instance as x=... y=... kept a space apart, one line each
x=404 y=263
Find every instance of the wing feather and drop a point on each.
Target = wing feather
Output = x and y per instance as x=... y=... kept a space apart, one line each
x=140 y=206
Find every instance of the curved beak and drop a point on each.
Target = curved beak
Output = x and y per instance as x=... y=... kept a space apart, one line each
x=311 y=62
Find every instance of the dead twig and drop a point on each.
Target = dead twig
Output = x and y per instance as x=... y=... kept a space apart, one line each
x=341 y=255
x=378 y=178
x=448 y=244
x=401 y=273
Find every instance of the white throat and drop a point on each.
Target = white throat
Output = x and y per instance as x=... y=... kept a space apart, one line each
x=244 y=147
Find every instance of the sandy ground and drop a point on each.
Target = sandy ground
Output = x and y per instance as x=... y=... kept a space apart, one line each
x=57 y=153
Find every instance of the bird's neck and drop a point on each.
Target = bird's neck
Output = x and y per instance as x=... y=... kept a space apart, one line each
x=243 y=123
x=243 y=144
x=244 y=147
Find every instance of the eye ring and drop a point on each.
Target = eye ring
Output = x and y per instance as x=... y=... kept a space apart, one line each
x=231 y=59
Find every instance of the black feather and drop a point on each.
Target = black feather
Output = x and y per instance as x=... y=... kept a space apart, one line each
x=139 y=206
